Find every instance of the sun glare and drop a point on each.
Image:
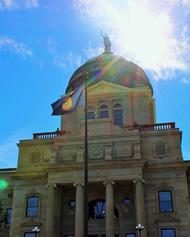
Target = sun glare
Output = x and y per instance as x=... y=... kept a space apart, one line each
x=142 y=35
x=140 y=32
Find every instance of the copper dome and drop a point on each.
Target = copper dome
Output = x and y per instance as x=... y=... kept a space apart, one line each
x=111 y=68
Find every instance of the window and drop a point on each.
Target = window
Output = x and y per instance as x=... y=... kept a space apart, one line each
x=72 y=203
x=168 y=233
x=165 y=201
x=90 y=112
x=32 y=206
x=103 y=111
x=118 y=115
x=130 y=235
x=126 y=201
x=30 y=234
x=90 y=115
x=97 y=210
x=8 y=217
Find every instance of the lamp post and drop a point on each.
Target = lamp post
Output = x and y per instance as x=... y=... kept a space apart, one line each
x=36 y=230
x=139 y=228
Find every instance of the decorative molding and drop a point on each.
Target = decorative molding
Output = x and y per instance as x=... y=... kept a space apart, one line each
x=96 y=151
x=108 y=152
x=76 y=184
x=164 y=186
x=109 y=182
x=31 y=222
x=80 y=154
x=137 y=151
x=167 y=218
x=67 y=153
x=33 y=192
x=139 y=180
x=123 y=150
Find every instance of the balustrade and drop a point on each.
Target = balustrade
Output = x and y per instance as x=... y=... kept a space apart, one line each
x=48 y=135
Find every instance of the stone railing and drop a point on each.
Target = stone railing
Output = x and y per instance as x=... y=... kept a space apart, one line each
x=48 y=135
x=157 y=126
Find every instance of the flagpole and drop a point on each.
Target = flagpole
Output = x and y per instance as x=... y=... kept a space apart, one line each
x=86 y=165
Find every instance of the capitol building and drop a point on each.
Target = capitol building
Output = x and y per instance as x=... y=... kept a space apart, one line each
x=136 y=172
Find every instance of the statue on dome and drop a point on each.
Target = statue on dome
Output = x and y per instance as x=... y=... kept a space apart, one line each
x=107 y=43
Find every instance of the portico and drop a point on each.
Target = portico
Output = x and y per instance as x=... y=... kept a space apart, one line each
x=108 y=214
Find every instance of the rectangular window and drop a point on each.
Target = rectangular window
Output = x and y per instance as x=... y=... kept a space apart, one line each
x=8 y=217
x=91 y=115
x=118 y=117
x=168 y=233
x=130 y=235
x=103 y=114
x=30 y=234
x=32 y=206
x=165 y=201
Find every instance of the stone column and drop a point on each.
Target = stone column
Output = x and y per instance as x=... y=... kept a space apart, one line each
x=50 y=211
x=79 y=220
x=140 y=205
x=109 y=209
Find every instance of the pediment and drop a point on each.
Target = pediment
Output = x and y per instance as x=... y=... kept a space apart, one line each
x=106 y=88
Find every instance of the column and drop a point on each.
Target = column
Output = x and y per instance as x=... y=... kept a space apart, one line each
x=109 y=209
x=50 y=211
x=79 y=220
x=140 y=205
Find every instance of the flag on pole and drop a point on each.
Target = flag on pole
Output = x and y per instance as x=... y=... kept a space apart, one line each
x=68 y=102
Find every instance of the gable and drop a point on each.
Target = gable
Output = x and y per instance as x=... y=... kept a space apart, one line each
x=106 y=88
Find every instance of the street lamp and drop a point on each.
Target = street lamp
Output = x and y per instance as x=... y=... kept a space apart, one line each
x=139 y=228
x=36 y=230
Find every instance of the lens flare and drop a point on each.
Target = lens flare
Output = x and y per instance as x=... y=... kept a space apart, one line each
x=3 y=184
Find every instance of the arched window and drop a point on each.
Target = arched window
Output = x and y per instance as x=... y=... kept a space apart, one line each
x=97 y=210
x=103 y=111
x=90 y=112
x=117 y=106
x=118 y=115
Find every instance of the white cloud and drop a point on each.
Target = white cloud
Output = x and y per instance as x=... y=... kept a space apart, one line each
x=11 y=45
x=185 y=81
x=18 y=4
x=9 y=149
x=67 y=60
x=51 y=46
x=156 y=40
x=62 y=59
x=92 y=52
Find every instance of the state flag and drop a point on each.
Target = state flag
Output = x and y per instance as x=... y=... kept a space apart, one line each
x=68 y=102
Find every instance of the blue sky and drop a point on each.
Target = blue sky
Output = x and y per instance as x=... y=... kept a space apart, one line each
x=42 y=42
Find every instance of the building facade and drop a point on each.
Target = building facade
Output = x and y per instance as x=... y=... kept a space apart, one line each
x=136 y=171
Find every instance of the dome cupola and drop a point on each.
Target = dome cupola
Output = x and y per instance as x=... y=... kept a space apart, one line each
x=111 y=68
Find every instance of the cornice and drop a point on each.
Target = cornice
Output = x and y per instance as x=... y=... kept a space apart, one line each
x=29 y=175
x=148 y=133
x=35 y=142
x=97 y=165
x=167 y=165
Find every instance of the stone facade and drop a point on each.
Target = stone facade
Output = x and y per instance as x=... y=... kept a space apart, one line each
x=129 y=166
